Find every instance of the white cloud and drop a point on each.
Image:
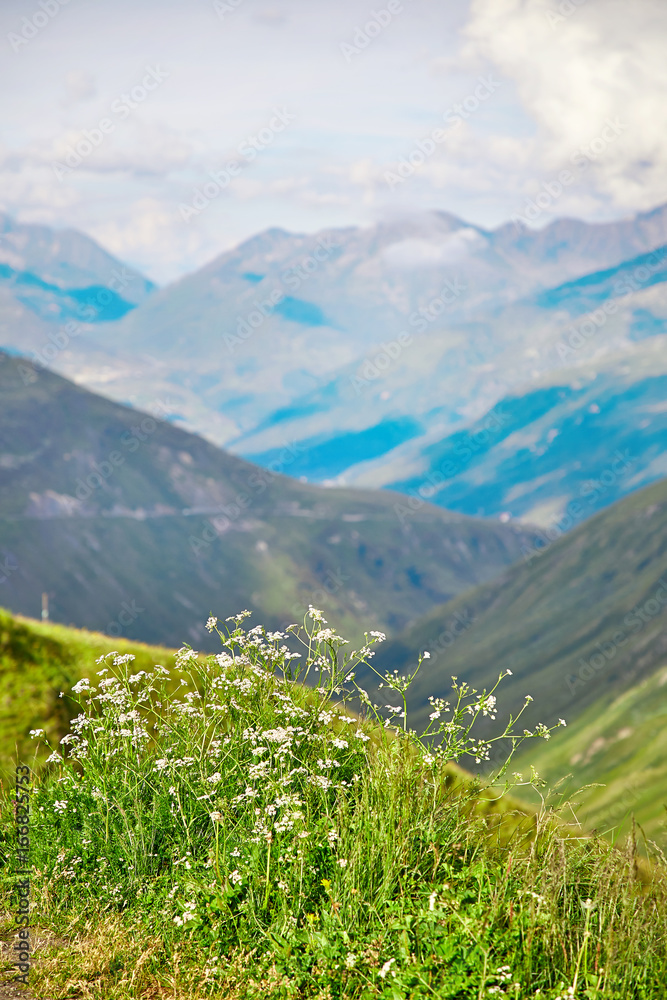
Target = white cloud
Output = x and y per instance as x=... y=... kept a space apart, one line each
x=79 y=86
x=353 y=121
x=604 y=62
x=447 y=248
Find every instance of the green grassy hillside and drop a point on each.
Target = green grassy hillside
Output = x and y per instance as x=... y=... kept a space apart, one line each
x=580 y=622
x=246 y=837
x=38 y=661
x=613 y=759
x=135 y=527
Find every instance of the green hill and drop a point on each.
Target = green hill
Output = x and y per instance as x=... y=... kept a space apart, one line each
x=578 y=624
x=136 y=527
x=244 y=836
x=611 y=762
x=38 y=661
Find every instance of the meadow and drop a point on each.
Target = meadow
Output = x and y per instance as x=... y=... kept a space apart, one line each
x=250 y=824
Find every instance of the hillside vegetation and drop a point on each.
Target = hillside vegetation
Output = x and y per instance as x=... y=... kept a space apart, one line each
x=580 y=623
x=249 y=837
x=132 y=525
x=38 y=661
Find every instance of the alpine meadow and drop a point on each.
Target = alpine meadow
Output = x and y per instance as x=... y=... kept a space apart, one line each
x=333 y=500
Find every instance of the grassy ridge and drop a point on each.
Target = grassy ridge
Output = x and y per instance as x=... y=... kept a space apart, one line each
x=618 y=745
x=575 y=623
x=247 y=837
x=38 y=660
x=102 y=506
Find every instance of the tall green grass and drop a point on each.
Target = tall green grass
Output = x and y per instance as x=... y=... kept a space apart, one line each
x=233 y=828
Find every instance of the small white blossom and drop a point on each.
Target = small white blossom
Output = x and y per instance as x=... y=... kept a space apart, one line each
x=385 y=968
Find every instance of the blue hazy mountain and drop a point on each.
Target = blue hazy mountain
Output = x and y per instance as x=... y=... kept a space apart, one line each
x=369 y=349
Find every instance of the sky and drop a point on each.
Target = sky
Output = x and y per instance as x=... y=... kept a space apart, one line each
x=171 y=130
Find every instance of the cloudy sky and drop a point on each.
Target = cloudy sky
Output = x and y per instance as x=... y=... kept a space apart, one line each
x=316 y=113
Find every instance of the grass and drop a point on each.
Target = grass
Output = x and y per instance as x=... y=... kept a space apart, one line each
x=38 y=660
x=223 y=829
x=612 y=761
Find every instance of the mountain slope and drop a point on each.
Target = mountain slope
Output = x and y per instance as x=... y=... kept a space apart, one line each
x=582 y=620
x=38 y=661
x=285 y=315
x=614 y=757
x=62 y=260
x=555 y=454
x=137 y=527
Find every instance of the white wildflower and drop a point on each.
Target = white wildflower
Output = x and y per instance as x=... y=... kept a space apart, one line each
x=385 y=968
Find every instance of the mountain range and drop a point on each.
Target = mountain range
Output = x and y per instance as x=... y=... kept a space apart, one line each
x=134 y=526
x=370 y=351
x=580 y=627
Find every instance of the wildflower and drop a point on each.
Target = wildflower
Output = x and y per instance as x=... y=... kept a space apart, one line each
x=562 y=722
x=385 y=968
x=235 y=877
x=216 y=817
x=36 y=733
x=426 y=656
x=211 y=623
x=342 y=862
x=350 y=958
x=431 y=900
x=239 y=617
